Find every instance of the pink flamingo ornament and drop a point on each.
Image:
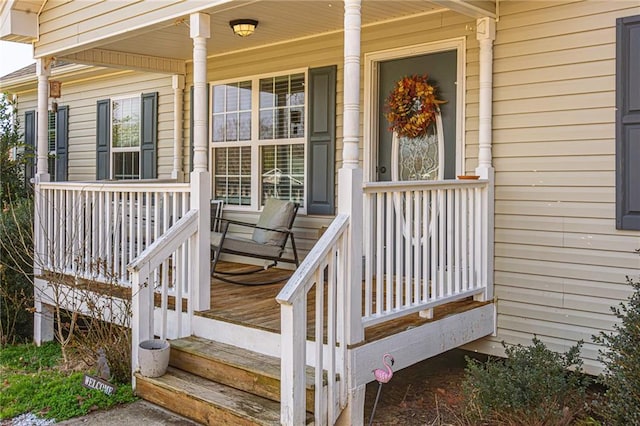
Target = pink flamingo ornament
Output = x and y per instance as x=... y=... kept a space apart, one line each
x=382 y=376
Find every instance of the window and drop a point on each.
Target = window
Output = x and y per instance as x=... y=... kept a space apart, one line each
x=126 y=137
x=258 y=137
x=57 y=141
x=51 y=136
x=628 y=123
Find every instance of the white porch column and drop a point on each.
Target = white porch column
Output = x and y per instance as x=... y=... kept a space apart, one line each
x=43 y=315
x=43 y=70
x=178 y=140
x=200 y=30
x=350 y=201
x=486 y=34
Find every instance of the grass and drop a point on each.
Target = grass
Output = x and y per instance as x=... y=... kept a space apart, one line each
x=32 y=379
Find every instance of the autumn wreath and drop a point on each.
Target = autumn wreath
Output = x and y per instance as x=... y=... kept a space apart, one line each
x=411 y=106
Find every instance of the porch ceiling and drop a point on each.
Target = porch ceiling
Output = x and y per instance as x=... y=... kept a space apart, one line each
x=279 y=21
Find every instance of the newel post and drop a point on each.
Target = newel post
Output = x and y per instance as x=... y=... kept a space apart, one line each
x=200 y=179
x=486 y=34
x=350 y=201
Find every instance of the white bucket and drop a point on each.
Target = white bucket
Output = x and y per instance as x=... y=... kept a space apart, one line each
x=153 y=357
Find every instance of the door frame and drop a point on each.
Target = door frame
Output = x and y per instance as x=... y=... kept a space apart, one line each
x=371 y=73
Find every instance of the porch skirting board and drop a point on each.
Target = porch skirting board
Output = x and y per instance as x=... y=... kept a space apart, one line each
x=423 y=342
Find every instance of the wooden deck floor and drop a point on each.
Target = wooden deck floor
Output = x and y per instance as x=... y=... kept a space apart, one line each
x=255 y=306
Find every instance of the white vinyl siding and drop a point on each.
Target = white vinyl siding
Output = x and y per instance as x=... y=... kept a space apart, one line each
x=81 y=97
x=559 y=261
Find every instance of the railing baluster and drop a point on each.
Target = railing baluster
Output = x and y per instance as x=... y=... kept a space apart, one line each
x=428 y=245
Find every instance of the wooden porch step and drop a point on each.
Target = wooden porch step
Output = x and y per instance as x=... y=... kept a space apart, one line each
x=242 y=369
x=207 y=402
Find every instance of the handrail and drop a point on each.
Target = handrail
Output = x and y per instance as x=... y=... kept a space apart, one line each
x=102 y=186
x=166 y=244
x=312 y=260
x=420 y=185
x=325 y=270
x=164 y=263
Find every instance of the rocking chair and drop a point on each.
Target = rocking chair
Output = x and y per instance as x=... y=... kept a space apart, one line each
x=268 y=241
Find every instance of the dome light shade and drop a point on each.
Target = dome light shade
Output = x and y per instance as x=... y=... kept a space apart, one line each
x=243 y=27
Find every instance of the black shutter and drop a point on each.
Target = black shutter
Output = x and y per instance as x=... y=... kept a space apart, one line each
x=149 y=136
x=322 y=140
x=62 y=141
x=103 y=136
x=29 y=146
x=628 y=123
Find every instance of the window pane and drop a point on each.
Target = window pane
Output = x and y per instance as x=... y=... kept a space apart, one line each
x=245 y=126
x=218 y=128
x=218 y=99
x=281 y=90
x=231 y=112
x=296 y=98
x=125 y=126
x=232 y=178
x=282 y=124
x=245 y=96
x=296 y=123
x=283 y=172
x=231 y=127
x=267 y=100
x=232 y=98
x=266 y=124
x=286 y=119
x=126 y=165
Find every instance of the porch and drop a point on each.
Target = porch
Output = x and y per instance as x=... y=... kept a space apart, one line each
x=424 y=287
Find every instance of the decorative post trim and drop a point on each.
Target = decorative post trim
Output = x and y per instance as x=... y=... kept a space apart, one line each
x=486 y=34
x=200 y=31
x=351 y=113
x=178 y=134
x=43 y=71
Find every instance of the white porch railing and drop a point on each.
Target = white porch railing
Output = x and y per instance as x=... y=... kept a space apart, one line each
x=94 y=230
x=324 y=271
x=424 y=244
x=163 y=271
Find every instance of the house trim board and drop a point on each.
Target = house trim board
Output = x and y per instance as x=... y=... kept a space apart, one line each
x=420 y=343
x=370 y=119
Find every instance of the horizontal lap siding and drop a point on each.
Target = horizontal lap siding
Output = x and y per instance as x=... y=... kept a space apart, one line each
x=81 y=97
x=560 y=263
x=87 y=22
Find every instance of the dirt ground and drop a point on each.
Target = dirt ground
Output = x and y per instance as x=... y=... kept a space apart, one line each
x=428 y=393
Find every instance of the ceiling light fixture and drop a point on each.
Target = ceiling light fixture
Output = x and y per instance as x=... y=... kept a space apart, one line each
x=243 y=27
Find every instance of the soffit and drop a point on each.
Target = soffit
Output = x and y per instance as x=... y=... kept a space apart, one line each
x=279 y=21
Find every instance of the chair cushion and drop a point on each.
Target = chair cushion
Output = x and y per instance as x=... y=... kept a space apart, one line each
x=244 y=246
x=276 y=215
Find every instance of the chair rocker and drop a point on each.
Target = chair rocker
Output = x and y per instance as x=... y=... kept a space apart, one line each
x=268 y=241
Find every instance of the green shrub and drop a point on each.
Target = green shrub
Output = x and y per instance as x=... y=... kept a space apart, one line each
x=621 y=359
x=532 y=386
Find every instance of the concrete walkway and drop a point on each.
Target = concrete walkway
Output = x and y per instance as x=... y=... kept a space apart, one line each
x=136 y=413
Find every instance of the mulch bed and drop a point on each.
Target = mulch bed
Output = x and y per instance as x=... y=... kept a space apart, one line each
x=427 y=393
